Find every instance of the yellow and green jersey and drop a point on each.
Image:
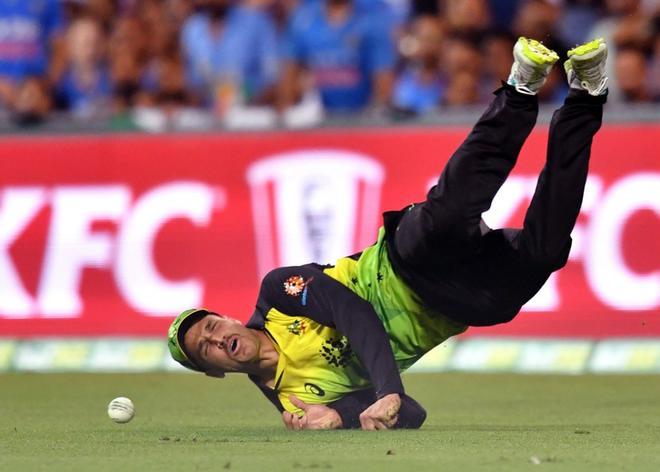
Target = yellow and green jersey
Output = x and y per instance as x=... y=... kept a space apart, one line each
x=412 y=328
x=316 y=363
x=345 y=328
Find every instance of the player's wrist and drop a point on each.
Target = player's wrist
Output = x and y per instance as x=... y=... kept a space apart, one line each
x=381 y=395
x=334 y=420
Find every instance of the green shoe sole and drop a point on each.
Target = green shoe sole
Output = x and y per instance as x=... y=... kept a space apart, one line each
x=587 y=50
x=536 y=52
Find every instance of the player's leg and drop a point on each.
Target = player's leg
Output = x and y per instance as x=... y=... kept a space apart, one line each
x=545 y=238
x=447 y=225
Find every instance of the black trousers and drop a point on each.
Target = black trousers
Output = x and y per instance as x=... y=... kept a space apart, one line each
x=442 y=249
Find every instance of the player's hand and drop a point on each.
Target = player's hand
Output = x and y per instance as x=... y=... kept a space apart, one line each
x=383 y=414
x=314 y=417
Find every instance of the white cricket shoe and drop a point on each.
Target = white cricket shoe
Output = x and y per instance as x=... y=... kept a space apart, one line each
x=531 y=65
x=585 y=67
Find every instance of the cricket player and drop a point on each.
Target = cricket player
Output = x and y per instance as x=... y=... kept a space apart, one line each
x=326 y=344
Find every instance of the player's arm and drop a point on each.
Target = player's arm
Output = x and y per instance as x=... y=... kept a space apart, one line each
x=346 y=412
x=330 y=303
x=349 y=408
x=315 y=417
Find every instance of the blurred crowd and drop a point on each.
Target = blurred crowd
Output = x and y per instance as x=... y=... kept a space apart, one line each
x=251 y=63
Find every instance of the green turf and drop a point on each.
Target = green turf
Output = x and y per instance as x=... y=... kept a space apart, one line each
x=189 y=422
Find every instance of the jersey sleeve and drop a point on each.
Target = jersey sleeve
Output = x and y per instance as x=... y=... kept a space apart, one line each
x=307 y=291
x=411 y=414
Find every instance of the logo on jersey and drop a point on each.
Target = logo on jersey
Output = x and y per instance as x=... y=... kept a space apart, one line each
x=298 y=327
x=336 y=351
x=314 y=389
x=296 y=285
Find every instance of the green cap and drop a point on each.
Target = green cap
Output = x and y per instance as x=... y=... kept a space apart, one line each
x=176 y=333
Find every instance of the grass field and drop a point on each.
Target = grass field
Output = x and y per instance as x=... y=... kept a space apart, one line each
x=189 y=422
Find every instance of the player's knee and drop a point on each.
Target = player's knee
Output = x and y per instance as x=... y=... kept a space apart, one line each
x=551 y=260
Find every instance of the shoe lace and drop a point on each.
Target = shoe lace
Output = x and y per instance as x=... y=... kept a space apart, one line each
x=528 y=76
x=591 y=74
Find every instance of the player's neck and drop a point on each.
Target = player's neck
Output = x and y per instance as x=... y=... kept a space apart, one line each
x=268 y=358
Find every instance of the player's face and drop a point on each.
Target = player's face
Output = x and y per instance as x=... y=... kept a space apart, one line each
x=219 y=344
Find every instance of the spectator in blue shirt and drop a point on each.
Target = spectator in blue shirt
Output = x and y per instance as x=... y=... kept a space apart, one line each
x=84 y=88
x=28 y=30
x=394 y=12
x=350 y=56
x=230 y=53
x=420 y=86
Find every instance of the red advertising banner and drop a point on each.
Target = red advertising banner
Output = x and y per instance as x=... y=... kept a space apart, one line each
x=113 y=235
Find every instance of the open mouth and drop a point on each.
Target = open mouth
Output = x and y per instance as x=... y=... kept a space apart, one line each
x=233 y=345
